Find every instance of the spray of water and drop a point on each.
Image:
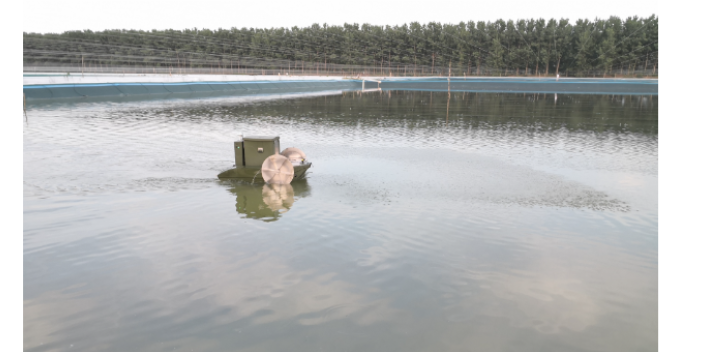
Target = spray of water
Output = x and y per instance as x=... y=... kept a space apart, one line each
x=255 y=175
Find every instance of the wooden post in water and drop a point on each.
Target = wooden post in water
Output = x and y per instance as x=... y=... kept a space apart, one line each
x=447 y=113
x=24 y=105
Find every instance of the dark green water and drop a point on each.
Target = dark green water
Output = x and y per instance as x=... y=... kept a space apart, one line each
x=497 y=222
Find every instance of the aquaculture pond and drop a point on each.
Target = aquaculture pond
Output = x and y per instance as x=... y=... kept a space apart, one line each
x=428 y=222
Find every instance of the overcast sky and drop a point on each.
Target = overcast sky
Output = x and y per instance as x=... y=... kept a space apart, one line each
x=58 y=16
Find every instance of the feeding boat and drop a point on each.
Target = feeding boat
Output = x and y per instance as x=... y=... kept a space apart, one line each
x=259 y=158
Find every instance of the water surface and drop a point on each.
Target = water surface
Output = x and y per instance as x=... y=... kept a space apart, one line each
x=489 y=222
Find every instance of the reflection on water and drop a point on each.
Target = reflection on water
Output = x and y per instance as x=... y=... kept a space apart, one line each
x=489 y=222
x=266 y=202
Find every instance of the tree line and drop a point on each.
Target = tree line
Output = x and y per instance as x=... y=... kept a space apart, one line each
x=602 y=47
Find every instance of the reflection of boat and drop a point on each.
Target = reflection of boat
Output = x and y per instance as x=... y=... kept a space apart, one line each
x=267 y=202
x=258 y=158
x=278 y=197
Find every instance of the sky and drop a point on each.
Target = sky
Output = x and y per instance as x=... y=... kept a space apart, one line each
x=58 y=16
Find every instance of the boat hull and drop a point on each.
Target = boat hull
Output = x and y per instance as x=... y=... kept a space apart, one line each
x=254 y=174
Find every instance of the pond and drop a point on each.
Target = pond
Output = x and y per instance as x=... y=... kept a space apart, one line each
x=428 y=222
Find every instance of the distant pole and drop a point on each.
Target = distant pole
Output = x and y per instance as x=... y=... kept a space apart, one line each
x=82 y=65
x=449 y=73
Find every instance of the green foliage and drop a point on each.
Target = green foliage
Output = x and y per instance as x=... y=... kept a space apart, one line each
x=523 y=47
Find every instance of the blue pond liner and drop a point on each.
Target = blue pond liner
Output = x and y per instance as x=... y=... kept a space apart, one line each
x=59 y=91
x=525 y=85
x=458 y=84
